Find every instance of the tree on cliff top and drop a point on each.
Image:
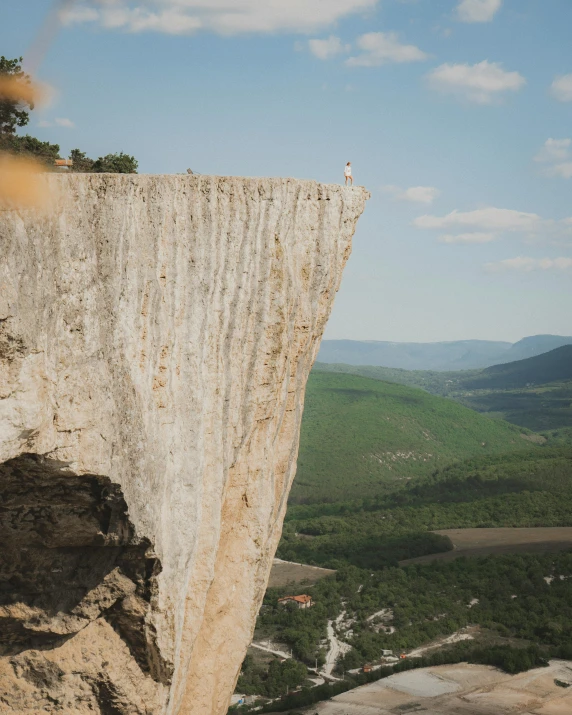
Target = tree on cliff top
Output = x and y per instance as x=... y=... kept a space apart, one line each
x=30 y=146
x=12 y=110
x=116 y=164
x=110 y=164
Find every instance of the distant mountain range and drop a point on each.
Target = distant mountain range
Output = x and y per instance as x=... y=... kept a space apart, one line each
x=455 y=355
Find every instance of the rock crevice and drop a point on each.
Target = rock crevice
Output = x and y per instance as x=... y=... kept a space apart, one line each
x=156 y=334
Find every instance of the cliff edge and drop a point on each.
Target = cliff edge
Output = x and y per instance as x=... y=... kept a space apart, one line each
x=156 y=335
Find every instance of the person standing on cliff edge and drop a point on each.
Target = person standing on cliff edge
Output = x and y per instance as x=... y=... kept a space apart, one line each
x=348 y=173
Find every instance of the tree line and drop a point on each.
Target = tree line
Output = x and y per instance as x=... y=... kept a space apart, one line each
x=15 y=114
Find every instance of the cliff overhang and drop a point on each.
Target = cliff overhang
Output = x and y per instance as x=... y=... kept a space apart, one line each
x=156 y=334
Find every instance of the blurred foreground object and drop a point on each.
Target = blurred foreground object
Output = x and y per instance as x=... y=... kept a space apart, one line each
x=44 y=152
x=21 y=183
x=16 y=93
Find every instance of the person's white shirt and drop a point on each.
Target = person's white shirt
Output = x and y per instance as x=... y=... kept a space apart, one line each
x=348 y=171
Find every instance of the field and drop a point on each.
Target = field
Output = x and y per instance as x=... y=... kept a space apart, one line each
x=459 y=690
x=362 y=437
x=286 y=572
x=482 y=542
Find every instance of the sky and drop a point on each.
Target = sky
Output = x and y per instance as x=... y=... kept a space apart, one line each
x=455 y=114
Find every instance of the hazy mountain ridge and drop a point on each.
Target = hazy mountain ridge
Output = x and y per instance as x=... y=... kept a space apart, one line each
x=441 y=356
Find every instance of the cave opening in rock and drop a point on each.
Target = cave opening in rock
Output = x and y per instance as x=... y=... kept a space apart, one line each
x=70 y=556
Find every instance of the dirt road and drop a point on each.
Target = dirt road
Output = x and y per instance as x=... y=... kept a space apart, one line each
x=267 y=647
x=337 y=647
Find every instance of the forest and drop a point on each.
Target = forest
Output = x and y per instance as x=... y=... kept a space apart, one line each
x=527 y=489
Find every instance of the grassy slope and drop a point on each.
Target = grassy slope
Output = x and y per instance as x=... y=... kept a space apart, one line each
x=362 y=436
x=535 y=393
x=434 y=381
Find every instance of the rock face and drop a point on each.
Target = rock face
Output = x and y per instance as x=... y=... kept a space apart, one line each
x=156 y=334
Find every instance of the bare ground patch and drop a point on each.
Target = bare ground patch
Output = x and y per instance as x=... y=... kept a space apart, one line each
x=460 y=689
x=482 y=542
x=286 y=572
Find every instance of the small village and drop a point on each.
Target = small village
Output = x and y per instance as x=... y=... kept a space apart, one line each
x=316 y=676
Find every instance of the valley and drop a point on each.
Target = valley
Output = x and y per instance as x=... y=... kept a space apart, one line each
x=439 y=551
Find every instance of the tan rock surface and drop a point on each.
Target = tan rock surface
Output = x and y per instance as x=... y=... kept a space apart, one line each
x=156 y=334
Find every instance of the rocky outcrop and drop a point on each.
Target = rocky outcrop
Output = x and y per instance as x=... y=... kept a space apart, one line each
x=156 y=334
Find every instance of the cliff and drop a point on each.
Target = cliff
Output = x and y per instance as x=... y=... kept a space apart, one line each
x=156 y=334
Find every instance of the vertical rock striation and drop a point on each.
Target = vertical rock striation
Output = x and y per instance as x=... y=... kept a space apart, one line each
x=156 y=334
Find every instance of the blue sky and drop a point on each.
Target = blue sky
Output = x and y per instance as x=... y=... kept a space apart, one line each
x=456 y=115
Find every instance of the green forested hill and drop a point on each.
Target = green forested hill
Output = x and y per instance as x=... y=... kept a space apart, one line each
x=535 y=393
x=553 y=366
x=362 y=436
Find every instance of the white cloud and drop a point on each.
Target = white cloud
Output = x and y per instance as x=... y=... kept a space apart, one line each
x=379 y=48
x=170 y=22
x=487 y=219
x=328 y=48
x=525 y=264
x=561 y=88
x=415 y=194
x=59 y=122
x=420 y=194
x=476 y=237
x=481 y=83
x=478 y=10
x=180 y=17
x=554 y=150
x=562 y=171
x=64 y=122
x=71 y=15
x=488 y=224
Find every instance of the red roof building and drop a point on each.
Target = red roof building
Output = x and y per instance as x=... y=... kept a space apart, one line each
x=300 y=601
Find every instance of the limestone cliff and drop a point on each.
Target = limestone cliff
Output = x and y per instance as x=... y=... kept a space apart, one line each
x=156 y=334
